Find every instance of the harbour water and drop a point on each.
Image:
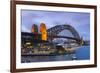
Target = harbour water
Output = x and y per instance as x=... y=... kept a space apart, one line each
x=82 y=53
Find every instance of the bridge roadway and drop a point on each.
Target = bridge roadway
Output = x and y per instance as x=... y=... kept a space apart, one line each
x=50 y=36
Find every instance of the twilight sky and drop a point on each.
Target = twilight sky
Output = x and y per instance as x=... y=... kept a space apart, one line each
x=80 y=21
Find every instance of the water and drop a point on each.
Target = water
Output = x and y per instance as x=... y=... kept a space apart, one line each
x=83 y=53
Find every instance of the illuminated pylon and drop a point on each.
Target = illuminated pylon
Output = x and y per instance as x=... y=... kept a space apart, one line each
x=43 y=31
x=34 y=28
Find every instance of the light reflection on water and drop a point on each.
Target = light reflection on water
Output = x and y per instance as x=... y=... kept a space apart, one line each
x=83 y=53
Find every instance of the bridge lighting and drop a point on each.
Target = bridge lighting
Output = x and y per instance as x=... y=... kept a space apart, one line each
x=43 y=31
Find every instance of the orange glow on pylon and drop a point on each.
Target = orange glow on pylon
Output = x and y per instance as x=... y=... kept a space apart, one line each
x=43 y=31
x=32 y=30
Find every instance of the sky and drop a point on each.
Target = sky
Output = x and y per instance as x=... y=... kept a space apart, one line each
x=79 y=20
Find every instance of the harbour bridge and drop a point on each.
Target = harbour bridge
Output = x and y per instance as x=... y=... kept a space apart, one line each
x=54 y=31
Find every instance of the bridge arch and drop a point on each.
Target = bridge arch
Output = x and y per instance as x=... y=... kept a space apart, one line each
x=58 y=28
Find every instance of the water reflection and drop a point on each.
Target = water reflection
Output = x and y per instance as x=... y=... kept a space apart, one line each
x=83 y=53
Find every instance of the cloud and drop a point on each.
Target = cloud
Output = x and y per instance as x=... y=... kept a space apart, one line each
x=25 y=29
x=80 y=21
